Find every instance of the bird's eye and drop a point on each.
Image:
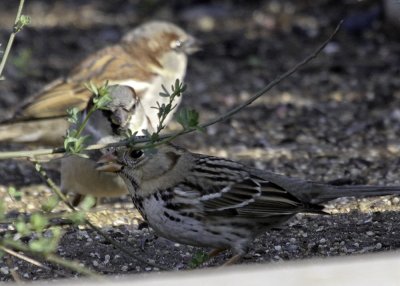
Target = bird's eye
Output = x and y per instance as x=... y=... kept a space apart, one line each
x=136 y=154
x=177 y=44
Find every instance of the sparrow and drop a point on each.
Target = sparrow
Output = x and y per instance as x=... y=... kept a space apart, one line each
x=208 y=201
x=79 y=174
x=147 y=57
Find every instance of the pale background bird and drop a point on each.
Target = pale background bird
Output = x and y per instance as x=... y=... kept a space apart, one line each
x=148 y=57
x=214 y=202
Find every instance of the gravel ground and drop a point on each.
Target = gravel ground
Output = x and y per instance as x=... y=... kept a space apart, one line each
x=336 y=120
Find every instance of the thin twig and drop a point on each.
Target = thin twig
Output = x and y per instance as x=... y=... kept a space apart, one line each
x=13 y=272
x=75 y=266
x=24 y=257
x=11 y=39
x=169 y=137
x=50 y=257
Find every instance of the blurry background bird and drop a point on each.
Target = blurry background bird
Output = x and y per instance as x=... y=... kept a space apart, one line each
x=149 y=56
x=214 y=202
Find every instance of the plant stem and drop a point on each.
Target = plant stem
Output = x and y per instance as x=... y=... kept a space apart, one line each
x=11 y=39
x=50 y=257
x=85 y=121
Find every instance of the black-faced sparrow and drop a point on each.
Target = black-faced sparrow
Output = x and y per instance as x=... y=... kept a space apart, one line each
x=207 y=201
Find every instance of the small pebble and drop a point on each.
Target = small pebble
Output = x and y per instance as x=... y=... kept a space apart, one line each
x=370 y=233
x=278 y=247
x=124 y=268
x=5 y=270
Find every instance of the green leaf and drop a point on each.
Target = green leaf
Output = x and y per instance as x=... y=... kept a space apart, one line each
x=101 y=95
x=188 y=118
x=73 y=115
x=154 y=137
x=22 y=227
x=146 y=133
x=74 y=145
x=40 y=245
x=92 y=88
x=87 y=203
x=165 y=92
x=16 y=195
x=38 y=222
x=51 y=203
x=22 y=21
x=2 y=209
x=198 y=259
x=77 y=217
x=128 y=134
x=54 y=241
x=101 y=102
x=46 y=245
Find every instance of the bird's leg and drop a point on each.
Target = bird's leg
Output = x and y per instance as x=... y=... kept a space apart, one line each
x=76 y=200
x=212 y=254
x=233 y=260
x=145 y=240
x=215 y=252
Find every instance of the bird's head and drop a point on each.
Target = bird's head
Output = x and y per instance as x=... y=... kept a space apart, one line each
x=158 y=37
x=121 y=113
x=148 y=166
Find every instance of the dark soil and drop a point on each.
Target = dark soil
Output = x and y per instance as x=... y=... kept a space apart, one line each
x=336 y=120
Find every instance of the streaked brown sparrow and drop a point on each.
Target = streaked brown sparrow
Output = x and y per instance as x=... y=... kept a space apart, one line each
x=207 y=201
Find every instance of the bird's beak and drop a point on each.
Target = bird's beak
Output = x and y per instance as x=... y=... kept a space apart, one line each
x=192 y=45
x=108 y=163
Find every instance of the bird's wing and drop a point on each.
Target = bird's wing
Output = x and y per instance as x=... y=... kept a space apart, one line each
x=252 y=197
x=111 y=64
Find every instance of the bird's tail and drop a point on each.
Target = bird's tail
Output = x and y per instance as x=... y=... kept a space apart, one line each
x=329 y=192
x=40 y=131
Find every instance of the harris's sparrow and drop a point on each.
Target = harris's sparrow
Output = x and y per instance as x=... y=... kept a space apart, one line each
x=214 y=202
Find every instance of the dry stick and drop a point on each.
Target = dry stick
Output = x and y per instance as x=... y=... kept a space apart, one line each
x=53 y=258
x=169 y=137
x=58 y=192
x=13 y=272
x=29 y=260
